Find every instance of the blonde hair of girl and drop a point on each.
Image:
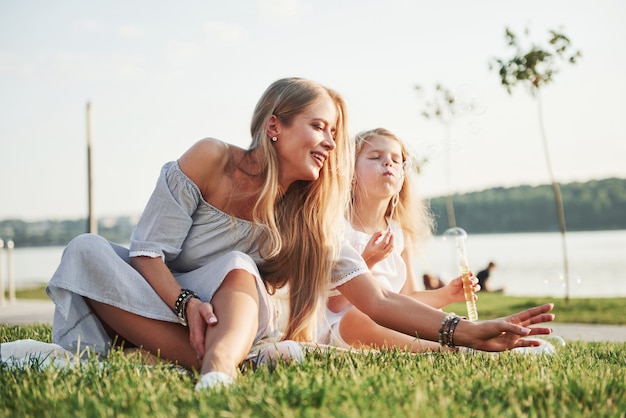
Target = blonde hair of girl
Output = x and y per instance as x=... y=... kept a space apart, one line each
x=412 y=213
x=301 y=242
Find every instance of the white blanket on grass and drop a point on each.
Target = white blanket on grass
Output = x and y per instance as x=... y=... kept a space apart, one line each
x=32 y=353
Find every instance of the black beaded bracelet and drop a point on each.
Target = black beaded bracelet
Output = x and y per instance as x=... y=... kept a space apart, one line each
x=443 y=332
x=180 y=306
x=455 y=322
x=448 y=326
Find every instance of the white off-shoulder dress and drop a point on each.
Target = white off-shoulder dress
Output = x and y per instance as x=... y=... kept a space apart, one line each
x=200 y=245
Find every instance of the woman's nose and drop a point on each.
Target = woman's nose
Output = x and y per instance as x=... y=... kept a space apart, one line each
x=329 y=143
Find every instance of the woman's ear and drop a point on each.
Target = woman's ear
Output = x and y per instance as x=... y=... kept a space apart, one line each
x=273 y=127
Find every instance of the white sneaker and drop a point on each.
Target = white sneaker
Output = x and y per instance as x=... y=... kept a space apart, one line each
x=214 y=380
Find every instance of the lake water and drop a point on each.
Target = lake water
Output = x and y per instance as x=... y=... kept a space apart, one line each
x=529 y=264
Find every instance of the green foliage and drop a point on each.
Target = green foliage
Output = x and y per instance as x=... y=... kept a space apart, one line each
x=38 y=292
x=443 y=106
x=60 y=232
x=534 y=66
x=580 y=380
x=593 y=205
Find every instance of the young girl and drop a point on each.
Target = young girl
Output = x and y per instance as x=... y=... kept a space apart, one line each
x=386 y=223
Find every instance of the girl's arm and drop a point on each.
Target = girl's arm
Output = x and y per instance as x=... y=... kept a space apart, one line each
x=410 y=286
x=438 y=298
x=411 y=317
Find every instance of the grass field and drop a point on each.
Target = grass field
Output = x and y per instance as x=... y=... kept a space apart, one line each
x=494 y=305
x=582 y=311
x=580 y=380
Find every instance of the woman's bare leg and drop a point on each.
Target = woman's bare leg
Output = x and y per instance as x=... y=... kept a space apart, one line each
x=168 y=340
x=358 y=330
x=236 y=305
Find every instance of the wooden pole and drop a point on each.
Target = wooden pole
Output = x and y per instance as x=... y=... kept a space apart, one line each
x=10 y=274
x=92 y=223
x=2 y=300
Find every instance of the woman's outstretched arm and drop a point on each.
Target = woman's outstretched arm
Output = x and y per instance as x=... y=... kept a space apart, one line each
x=411 y=317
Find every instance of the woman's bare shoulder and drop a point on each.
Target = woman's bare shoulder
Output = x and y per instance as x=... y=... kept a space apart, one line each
x=205 y=159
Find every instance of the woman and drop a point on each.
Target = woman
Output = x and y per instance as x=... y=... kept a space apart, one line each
x=214 y=215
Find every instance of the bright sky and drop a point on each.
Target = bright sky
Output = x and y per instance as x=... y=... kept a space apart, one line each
x=162 y=74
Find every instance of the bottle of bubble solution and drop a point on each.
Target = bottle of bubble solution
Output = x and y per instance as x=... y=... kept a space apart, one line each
x=457 y=236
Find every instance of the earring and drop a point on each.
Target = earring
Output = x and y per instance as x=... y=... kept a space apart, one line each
x=274 y=139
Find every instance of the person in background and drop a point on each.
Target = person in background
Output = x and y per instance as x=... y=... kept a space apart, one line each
x=432 y=282
x=483 y=277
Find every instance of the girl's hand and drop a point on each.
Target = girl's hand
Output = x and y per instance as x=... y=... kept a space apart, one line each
x=507 y=333
x=454 y=289
x=378 y=248
x=200 y=316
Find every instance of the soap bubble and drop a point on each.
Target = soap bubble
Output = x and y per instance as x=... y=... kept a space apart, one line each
x=555 y=280
x=555 y=340
x=454 y=233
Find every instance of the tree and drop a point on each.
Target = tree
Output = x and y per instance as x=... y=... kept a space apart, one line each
x=445 y=107
x=535 y=68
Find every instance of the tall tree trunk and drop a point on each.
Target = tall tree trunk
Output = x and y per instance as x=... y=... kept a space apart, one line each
x=448 y=174
x=557 y=197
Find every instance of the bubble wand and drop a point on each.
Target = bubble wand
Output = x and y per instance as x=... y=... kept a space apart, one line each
x=459 y=235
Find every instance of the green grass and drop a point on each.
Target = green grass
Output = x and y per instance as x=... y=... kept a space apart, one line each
x=31 y=293
x=580 y=380
x=494 y=305
x=584 y=310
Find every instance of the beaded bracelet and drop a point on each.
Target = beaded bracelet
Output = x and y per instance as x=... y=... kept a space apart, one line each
x=180 y=306
x=455 y=321
x=446 y=332
x=443 y=337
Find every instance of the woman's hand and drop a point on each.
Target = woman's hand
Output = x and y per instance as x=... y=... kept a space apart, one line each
x=200 y=316
x=505 y=333
x=454 y=289
x=378 y=248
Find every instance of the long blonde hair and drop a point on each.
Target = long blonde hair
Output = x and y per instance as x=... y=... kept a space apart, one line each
x=300 y=243
x=411 y=212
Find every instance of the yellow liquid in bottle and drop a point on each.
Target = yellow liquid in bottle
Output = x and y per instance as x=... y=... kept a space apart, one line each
x=472 y=312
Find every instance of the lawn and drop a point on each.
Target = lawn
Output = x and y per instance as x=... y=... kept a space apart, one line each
x=580 y=380
x=577 y=310
x=494 y=305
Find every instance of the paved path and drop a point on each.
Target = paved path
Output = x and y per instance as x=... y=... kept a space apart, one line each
x=25 y=311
